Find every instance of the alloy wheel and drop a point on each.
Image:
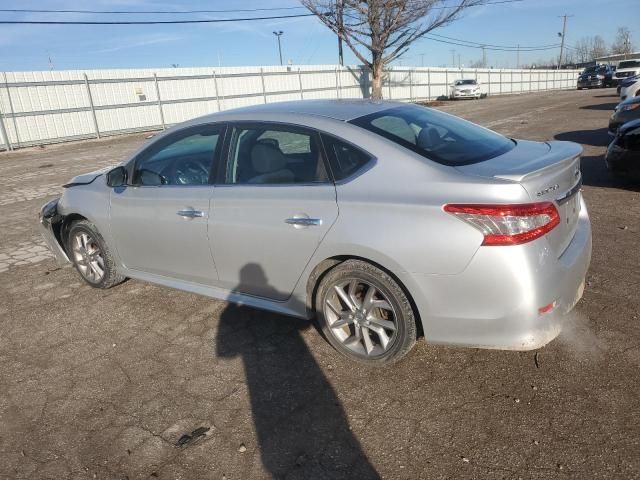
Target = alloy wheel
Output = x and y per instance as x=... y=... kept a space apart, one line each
x=360 y=317
x=88 y=257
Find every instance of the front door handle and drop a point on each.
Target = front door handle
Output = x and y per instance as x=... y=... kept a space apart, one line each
x=300 y=222
x=190 y=213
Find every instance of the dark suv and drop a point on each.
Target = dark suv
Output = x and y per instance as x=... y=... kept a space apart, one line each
x=597 y=76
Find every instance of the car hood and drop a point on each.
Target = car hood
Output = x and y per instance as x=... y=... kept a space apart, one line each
x=465 y=87
x=626 y=102
x=87 y=178
x=629 y=126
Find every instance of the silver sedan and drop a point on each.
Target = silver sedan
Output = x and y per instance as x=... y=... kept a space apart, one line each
x=385 y=221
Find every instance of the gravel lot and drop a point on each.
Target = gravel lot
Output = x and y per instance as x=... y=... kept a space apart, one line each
x=102 y=384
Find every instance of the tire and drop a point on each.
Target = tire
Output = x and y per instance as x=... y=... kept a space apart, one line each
x=388 y=307
x=91 y=255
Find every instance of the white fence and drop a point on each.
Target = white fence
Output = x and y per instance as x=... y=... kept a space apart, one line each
x=54 y=106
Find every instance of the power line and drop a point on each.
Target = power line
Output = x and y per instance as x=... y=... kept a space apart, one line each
x=494 y=45
x=163 y=12
x=149 y=22
x=551 y=47
x=159 y=12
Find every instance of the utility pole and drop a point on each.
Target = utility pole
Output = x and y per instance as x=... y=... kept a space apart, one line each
x=459 y=64
x=518 y=57
x=453 y=57
x=279 y=34
x=484 y=56
x=422 y=60
x=562 y=36
x=339 y=17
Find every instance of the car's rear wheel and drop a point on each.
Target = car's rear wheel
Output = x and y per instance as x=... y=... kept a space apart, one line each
x=365 y=314
x=91 y=256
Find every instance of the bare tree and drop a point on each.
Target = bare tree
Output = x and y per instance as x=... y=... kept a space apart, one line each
x=598 y=47
x=380 y=31
x=583 y=49
x=622 y=43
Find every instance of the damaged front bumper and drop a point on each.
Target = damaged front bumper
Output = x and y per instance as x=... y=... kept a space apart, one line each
x=50 y=222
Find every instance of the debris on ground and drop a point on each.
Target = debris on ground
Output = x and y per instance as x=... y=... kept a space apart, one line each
x=190 y=438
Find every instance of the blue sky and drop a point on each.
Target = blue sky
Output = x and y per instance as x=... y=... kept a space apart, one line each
x=305 y=41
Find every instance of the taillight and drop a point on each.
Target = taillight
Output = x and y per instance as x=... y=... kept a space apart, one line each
x=508 y=224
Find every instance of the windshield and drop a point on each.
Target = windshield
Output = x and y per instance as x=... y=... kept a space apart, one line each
x=589 y=70
x=629 y=64
x=436 y=135
x=465 y=82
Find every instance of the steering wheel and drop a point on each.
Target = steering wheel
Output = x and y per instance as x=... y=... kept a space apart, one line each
x=190 y=172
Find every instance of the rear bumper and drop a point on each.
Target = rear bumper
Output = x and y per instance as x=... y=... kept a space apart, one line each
x=494 y=302
x=49 y=218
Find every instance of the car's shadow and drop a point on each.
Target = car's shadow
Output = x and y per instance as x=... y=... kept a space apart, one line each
x=301 y=427
x=597 y=138
x=593 y=167
x=600 y=106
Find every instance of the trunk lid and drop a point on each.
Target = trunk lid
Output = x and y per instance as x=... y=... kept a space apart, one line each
x=548 y=171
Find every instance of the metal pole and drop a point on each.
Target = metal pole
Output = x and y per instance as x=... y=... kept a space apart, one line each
x=155 y=80
x=215 y=86
x=300 y=84
x=428 y=84
x=446 y=81
x=411 y=85
x=3 y=130
x=264 y=91
x=11 y=111
x=279 y=34
x=93 y=110
x=389 y=80
x=500 y=80
x=337 y=84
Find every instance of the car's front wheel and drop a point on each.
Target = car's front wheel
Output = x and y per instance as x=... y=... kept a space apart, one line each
x=365 y=314
x=91 y=256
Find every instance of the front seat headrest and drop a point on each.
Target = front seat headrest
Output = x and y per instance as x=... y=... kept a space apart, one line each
x=267 y=158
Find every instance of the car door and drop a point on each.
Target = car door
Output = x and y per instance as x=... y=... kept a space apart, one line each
x=159 y=221
x=273 y=204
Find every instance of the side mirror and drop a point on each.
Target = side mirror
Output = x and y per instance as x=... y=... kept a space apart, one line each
x=117 y=177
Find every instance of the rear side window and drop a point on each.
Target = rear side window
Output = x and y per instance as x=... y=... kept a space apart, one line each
x=435 y=135
x=272 y=155
x=344 y=159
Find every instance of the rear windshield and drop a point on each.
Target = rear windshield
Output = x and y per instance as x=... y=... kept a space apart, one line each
x=629 y=64
x=436 y=135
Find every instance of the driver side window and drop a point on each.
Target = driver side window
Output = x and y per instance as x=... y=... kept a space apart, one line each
x=185 y=158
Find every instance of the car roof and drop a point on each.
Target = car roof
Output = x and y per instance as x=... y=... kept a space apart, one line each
x=343 y=110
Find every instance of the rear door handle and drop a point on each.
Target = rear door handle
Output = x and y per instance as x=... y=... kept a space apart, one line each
x=299 y=222
x=190 y=213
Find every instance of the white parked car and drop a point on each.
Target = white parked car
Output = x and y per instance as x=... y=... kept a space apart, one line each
x=626 y=69
x=465 y=89
x=630 y=88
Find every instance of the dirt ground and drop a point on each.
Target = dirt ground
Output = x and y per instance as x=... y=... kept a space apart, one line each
x=102 y=384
